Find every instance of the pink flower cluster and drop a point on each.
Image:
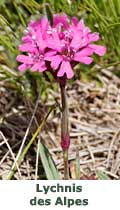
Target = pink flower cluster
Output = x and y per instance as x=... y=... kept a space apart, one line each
x=59 y=47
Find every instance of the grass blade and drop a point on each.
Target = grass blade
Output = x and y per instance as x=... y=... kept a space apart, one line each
x=102 y=176
x=18 y=162
x=48 y=164
x=77 y=165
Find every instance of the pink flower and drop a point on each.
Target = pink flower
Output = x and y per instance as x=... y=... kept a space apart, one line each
x=62 y=45
x=35 y=45
x=73 y=44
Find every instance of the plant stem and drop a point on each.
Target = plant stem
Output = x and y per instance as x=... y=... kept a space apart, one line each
x=66 y=165
x=65 y=139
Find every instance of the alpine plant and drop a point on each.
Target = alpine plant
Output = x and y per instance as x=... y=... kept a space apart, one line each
x=58 y=48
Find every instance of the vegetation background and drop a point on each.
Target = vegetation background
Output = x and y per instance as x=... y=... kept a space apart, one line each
x=29 y=142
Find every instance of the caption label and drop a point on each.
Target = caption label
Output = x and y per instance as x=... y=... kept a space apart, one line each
x=65 y=198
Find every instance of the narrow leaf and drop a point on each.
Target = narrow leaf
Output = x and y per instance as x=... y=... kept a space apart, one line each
x=48 y=13
x=77 y=165
x=102 y=176
x=48 y=164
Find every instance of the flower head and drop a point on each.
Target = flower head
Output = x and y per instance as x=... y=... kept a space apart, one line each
x=62 y=45
x=34 y=44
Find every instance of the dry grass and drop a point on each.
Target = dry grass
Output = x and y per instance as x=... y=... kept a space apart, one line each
x=94 y=129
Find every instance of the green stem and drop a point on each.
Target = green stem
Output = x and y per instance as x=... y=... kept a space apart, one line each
x=65 y=140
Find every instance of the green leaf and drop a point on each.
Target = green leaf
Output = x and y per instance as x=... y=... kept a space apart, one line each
x=2 y=18
x=48 y=13
x=48 y=164
x=101 y=175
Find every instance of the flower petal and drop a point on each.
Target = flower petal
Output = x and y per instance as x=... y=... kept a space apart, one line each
x=42 y=66
x=50 y=53
x=27 y=38
x=23 y=67
x=65 y=68
x=98 y=49
x=39 y=66
x=78 y=41
x=40 y=42
x=81 y=24
x=60 y=20
x=74 y=21
x=44 y=26
x=27 y=47
x=84 y=52
x=85 y=59
x=24 y=59
x=55 y=61
x=34 y=24
x=35 y=67
x=54 y=42
x=93 y=37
